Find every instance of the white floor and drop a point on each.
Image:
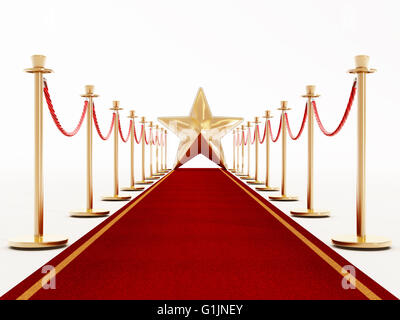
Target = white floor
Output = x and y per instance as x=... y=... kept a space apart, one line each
x=17 y=216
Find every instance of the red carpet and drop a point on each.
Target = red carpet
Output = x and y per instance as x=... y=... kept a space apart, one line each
x=198 y=234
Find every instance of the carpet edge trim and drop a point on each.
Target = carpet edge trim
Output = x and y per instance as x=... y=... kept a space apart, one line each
x=46 y=278
x=336 y=266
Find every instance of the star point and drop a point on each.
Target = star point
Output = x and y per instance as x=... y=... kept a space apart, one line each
x=200 y=132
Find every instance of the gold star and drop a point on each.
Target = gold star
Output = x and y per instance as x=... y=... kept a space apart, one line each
x=200 y=132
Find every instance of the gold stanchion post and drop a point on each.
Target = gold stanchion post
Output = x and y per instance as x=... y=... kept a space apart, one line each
x=151 y=176
x=256 y=142
x=233 y=170
x=267 y=187
x=116 y=196
x=165 y=152
x=132 y=187
x=241 y=172
x=310 y=212
x=247 y=176
x=237 y=151
x=162 y=150
x=89 y=212
x=283 y=196
x=143 y=181
x=38 y=240
x=158 y=172
x=361 y=240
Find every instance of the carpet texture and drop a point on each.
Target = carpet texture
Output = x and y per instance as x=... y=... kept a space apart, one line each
x=198 y=234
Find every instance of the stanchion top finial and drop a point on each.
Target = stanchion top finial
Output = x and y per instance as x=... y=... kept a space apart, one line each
x=116 y=106
x=256 y=120
x=362 y=62
x=248 y=124
x=143 y=120
x=310 y=92
x=38 y=64
x=89 y=91
x=284 y=106
x=38 y=61
x=268 y=114
x=132 y=114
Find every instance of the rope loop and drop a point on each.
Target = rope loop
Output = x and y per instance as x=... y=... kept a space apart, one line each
x=264 y=135
x=54 y=115
x=345 y=115
x=120 y=131
x=96 y=124
x=301 y=127
x=141 y=133
x=279 y=130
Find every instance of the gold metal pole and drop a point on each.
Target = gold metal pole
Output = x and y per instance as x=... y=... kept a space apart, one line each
x=233 y=151
x=267 y=187
x=283 y=196
x=165 y=151
x=361 y=240
x=157 y=173
x=132 y=187
x=89 y=212
x=38 y=240
x=256 y=142
x=247 y=176
x=237 y=151
x=310 y=212
x=116 y=196
x=162 y=150
x=143 y=181
x=241 y=172
x=151 y=176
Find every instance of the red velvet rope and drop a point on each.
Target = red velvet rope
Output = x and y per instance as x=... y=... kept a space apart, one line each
x=264 y=135
x=134 y=133
x=302 y=125
x=246 y=141
x=145 y=135
x=96 y=124
x=55 y=118
x=154 y=140
x=120 y=131
x=254 y=136
x=279 y=130
x=345 y=116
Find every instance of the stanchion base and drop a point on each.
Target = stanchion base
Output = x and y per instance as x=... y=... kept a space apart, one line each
x=232 y=170
x=144 y=182
x=310 y=213
x=132 y=188
x=241 y=174
x=267 y=189
x=116 y=198
x=31 y=242
x=158 y=174
x=152 y=178
x=283 y=198
x=89 y=213
x=246 y=177
x=255 y=182
x=368 y=242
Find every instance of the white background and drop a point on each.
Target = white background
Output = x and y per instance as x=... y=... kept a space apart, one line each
x=153 y=56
